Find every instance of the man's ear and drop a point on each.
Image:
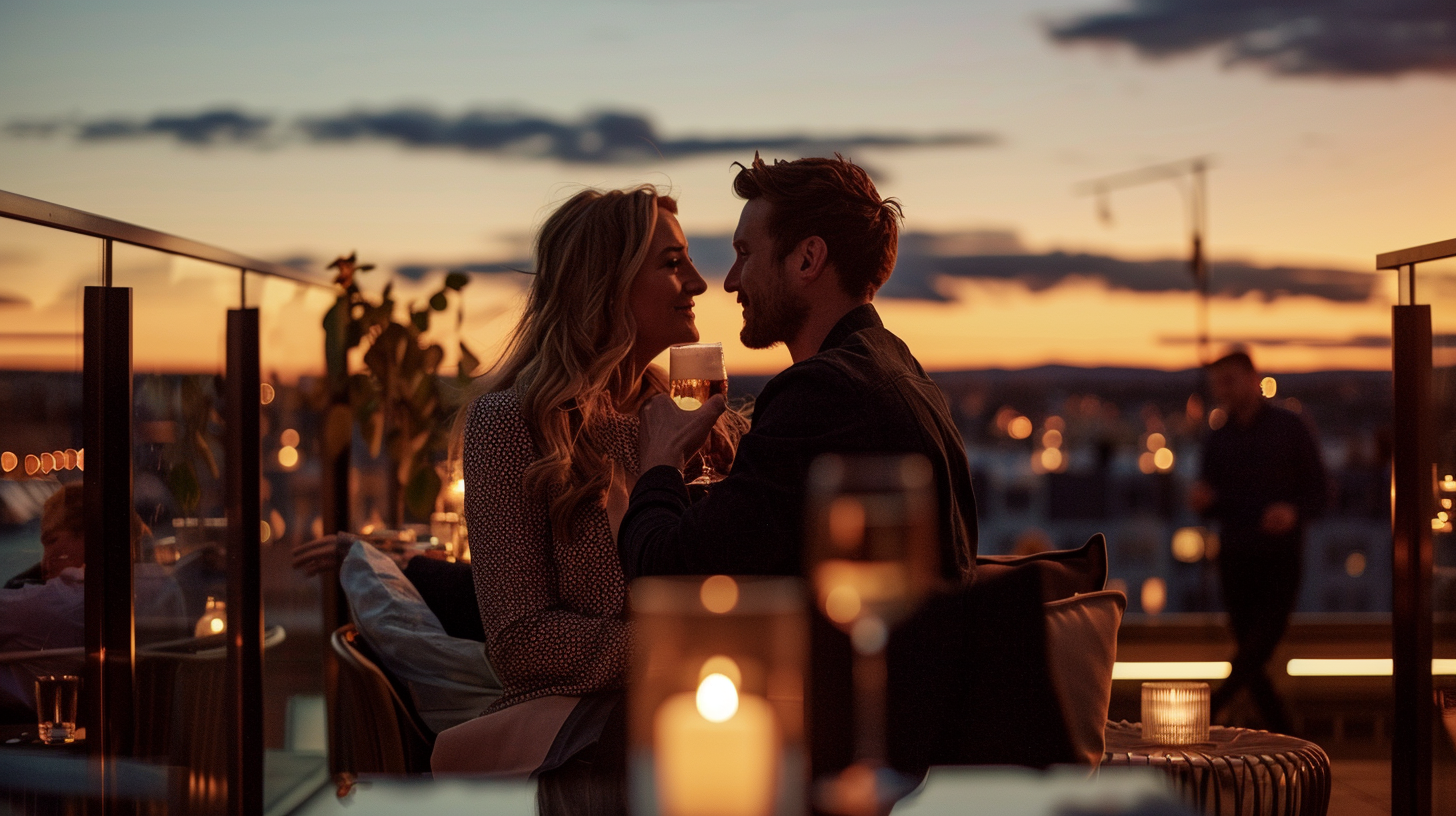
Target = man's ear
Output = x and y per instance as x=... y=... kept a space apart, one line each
x=809 y=259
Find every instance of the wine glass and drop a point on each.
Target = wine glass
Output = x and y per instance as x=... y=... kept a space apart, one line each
x=696 y=373
x=871 y=557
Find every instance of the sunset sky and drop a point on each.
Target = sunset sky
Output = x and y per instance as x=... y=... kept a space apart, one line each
x=342 y=126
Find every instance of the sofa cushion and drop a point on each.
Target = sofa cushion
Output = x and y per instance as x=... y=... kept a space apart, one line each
x=1081 y=647
x=449 y=679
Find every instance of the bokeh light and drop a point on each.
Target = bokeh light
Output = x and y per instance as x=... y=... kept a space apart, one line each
x=1268 y=387
x=1188 y=545
x=288 y=456
x=719 y=594
x=1154 y=596
x=1355 y=564
x=8 y=461
x=289 y=438
x=1163 y=459
x=1019 y=428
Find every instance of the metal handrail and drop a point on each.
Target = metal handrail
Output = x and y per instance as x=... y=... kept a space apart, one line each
x=56 y=216
x=1415 y=255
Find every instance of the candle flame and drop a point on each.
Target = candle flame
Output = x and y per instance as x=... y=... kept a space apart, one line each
x=717 y=698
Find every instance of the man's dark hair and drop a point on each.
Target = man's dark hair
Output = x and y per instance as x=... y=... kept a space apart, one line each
x=835 y=200
x=1236 y=359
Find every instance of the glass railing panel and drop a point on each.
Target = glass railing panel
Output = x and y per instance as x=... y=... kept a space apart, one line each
x=42 y=523
x=179 y=320
x=294 y=403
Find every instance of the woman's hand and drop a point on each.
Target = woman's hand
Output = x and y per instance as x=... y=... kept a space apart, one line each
x=669 y=435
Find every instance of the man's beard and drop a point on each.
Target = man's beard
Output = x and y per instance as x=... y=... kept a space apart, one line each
x=778 y=315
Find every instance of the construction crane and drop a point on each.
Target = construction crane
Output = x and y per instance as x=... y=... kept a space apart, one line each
x=1189 y=176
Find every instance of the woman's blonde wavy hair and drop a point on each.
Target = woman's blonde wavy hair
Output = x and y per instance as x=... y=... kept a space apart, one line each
x=569 y=358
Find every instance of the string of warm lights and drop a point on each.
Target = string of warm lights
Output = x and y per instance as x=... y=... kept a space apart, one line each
x=43 y=463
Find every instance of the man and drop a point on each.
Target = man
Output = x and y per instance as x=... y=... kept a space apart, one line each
x=1262 y=481
x=813 y=244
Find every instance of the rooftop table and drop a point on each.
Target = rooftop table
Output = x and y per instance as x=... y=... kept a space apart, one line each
x=1238 y=771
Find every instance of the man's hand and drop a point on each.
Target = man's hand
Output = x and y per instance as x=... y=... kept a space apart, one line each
x=670 y=435
x=1200 y=496
x=1279 y=518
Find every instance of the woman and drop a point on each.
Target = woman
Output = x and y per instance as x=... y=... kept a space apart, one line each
x=550 y=453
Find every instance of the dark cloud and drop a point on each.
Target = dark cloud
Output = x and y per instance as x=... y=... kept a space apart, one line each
x=602 y=138
x=925 y=258
x=1315 y=37
x=920 y=265
x=206 y=128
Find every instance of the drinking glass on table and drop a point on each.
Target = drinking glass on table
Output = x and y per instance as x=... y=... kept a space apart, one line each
x=55 y=707
x=696 y=373
x=871 y=557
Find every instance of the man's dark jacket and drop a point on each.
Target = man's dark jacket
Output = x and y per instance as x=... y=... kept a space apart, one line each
x=862 y=393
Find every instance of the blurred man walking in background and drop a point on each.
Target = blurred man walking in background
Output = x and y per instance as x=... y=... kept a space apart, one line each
x=1263 y=482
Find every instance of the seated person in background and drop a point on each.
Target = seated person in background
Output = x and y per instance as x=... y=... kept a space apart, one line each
x=52 y=615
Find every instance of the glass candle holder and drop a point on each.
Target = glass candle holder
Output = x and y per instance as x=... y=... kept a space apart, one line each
x=213 y=620
x=716 y=706
x=1175 y=713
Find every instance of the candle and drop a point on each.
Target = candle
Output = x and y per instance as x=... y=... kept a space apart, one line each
x=1175 y=713
x=716 y=751
x=213 y=621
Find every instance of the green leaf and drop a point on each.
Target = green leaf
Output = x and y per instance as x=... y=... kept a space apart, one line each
x=456 y=280
x=421 y=491
x=186 y=489
x=438 y=301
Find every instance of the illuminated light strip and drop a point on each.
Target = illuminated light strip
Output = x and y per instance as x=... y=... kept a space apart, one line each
x=1356 y=667
x=1184 y=670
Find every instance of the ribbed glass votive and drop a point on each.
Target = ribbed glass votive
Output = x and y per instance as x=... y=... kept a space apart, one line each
x=1175 y=713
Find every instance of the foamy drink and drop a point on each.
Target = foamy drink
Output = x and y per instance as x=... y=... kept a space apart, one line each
x=696 y=372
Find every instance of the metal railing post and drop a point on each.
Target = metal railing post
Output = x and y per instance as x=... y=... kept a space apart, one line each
x=244 y=600
x=110 y=682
